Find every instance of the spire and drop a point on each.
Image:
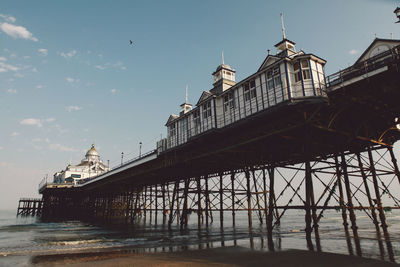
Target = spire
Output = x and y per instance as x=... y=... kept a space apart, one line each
x=223 y=57
x=283 y=27
x=186 y=106
x=186 y=97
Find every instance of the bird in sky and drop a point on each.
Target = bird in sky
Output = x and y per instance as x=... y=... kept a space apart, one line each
x=131 y=42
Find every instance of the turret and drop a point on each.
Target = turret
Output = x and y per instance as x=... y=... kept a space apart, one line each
x=224 y=77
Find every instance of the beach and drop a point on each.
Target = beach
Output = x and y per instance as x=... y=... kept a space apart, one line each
x=223 y=256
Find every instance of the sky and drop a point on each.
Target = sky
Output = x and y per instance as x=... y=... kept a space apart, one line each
x=69 y=76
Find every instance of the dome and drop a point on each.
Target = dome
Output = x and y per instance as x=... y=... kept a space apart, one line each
x=223 y=66
x=92 y=152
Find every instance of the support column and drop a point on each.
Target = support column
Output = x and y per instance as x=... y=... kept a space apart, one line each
x=342 y=206
x=199 y=211
x=265 y=196
x=257 y=197
x=164 y=212
x=156 y=204
x=307 y=206
x=380 y=208
x=171 y=205
x=270 y=215
x=206 y=199
x=394 y=161
x=247 y=173
x=233 y=199
x=184 y=217
x=371 y=204
x=221 y=201
x=350 y=206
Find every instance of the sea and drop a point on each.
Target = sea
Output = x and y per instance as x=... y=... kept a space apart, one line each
x=24 y=238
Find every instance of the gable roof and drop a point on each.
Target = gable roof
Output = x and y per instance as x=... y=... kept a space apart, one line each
x=270 y=59
x=204 y=96
x=374 y=42
x=171 y=118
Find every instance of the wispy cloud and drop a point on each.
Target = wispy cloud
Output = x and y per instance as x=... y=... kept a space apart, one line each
x=36 y=122
x=43 y=51
x=118 y=65
x=17 y=31
x=113 y=91
x=11 y=91
x=39 y=86
x=8 y=18
x=7 y=67
x=70 y=80
x=13 y=134
x=68 y=54
x=3 y=59
x=73 y=108
x=60 y=147
x=353 y=52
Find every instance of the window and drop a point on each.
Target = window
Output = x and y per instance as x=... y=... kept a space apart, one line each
x=196 y=120
x=172 y=130
x=249 y=90
x=296 y=67
x=207 y=109
x=183 y=127
x=228 y=101
x=277 y=76
x=305 y=67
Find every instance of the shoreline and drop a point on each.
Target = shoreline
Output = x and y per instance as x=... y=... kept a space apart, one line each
x=222 y=256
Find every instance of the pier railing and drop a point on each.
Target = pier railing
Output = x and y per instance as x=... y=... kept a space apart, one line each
x=363 y=67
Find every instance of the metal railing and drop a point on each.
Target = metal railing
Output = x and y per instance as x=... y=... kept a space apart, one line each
x=363 y=67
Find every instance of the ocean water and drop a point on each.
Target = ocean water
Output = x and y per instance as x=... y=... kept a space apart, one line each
x=22 y=238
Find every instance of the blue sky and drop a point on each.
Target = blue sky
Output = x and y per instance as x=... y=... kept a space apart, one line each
x=69 y=77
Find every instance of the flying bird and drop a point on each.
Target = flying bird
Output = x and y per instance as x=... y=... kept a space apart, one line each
x=131 y=42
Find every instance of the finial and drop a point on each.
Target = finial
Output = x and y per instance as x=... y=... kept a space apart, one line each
x=269 y=51
x=283 y=27
x=223 y=57
x=186 y=98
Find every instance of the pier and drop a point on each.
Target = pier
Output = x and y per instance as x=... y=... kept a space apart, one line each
x=30 y=207
x=329 y=148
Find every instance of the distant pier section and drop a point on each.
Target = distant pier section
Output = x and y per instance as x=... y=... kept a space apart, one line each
x=30 y=206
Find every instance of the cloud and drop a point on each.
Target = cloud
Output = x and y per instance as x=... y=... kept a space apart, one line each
x=113 y=91
x=73 y=108
x=36 y=139
x=31 y=121
x=1 y=148
x=100 y=67
x=60 y=147
x=17 y=31
x=3 y=59
x=36 y=122
x=68 y=54
x=11 y=91
x=39 y=86
x=14 y=134
x=7 y=67
x=8 y=18
x=70 y=80
x=353 y=52
x=43 y=51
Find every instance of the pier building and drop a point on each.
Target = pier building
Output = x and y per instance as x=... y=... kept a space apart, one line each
x=284 y=77
x=89 y=167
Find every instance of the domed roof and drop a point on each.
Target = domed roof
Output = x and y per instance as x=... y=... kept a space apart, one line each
x=223 y=66
x=92 y=152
